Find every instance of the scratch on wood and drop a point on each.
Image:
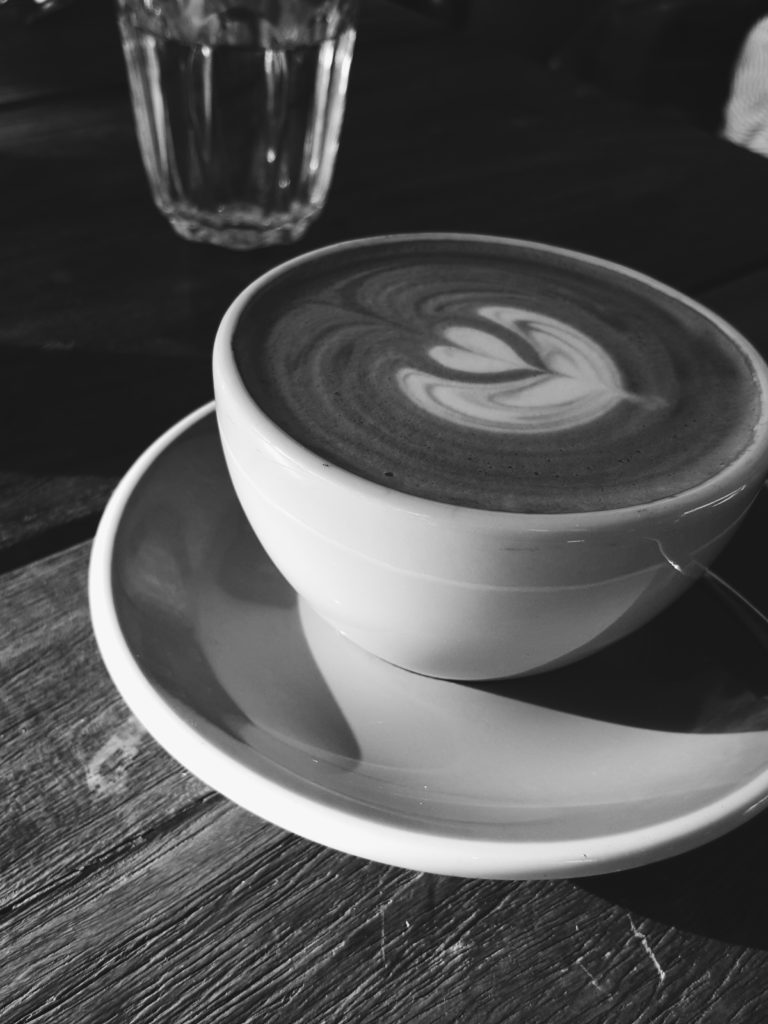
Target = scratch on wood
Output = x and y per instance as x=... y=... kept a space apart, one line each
x=638 y=934
x=592 y=979
x=107 y=771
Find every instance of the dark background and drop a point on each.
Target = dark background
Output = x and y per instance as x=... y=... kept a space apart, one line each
x=677 y=54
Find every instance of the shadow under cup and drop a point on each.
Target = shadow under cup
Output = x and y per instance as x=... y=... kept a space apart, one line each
x=461 y=592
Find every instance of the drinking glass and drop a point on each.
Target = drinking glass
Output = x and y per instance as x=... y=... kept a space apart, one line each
x=238 y=107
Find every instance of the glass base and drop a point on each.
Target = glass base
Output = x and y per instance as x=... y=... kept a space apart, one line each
x=238 y=236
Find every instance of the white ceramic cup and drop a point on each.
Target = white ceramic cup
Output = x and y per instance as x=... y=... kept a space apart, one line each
x=466 y=593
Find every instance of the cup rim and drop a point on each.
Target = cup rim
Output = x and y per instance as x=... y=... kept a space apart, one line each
x=232 y=394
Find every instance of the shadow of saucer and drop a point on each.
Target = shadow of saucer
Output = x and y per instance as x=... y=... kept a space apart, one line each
x=718 y=891
x=699 y=667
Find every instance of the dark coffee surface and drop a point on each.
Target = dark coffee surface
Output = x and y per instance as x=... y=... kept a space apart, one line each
x=499 y=377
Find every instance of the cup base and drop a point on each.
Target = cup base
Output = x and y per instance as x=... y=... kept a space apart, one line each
x=236 y=237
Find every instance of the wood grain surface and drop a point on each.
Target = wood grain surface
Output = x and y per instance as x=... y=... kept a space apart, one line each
x=130 y=892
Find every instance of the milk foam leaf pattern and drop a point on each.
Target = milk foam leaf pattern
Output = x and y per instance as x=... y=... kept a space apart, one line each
x=568 y=378
x=475 y=351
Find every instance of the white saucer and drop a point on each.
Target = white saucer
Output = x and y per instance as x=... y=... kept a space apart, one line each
x=646 y=749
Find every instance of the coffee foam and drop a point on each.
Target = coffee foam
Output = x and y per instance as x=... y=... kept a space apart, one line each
x=497 y=376
x=569 y=382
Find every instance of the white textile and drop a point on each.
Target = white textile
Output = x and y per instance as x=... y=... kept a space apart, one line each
x=746 y=114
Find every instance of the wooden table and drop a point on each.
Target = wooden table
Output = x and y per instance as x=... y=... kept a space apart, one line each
x=130 y=891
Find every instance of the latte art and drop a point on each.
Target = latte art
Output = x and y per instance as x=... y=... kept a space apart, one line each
x=496 y=375
x=560 y=380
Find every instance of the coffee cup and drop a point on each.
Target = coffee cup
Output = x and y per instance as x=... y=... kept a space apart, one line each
x=481 y=458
